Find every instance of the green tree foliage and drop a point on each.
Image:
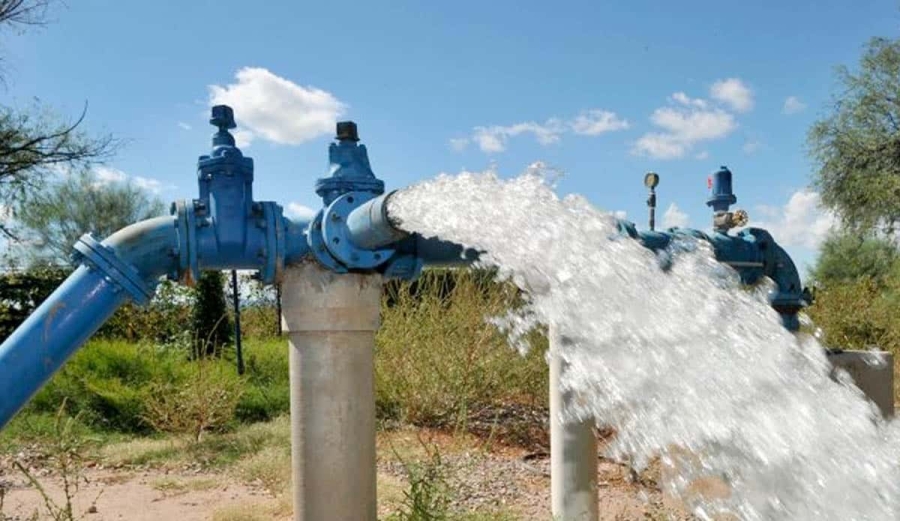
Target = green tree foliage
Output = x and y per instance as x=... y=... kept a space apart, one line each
x=21 y=291
x=847 y=256
x=211 y=325
x=857 y=146
x=34 y=142
x=54 y=218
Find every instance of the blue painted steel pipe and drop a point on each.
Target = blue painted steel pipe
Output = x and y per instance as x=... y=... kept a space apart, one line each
x=125 y=266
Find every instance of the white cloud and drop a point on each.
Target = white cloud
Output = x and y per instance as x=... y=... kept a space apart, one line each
x=107 y=175
x=494 y=138
x=802 y=222
x=686 y=121
x=596 y=122
x=683 y=127
x=184 y=126
x=674 y=217
x=684 y=99
x=751 y=147
x=620 y=214
x=734 y=93
x=277 y=109
x=242 y=137
x=300 y=212
x=459 y=144
x=151 y=185
x=793 y=105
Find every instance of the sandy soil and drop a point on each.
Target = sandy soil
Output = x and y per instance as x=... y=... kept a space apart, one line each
x=510 y=479
x=146 y=496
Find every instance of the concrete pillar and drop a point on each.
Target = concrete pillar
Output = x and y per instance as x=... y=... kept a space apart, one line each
x=875 y=380
x=573 y=452
x=331 y=321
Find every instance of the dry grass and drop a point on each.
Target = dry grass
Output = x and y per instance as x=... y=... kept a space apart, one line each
x=173 y=486
x=270 y=467
x=438 y=360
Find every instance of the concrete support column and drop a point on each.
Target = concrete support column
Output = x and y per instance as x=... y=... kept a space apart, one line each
x=573 y=451
x=331 y=321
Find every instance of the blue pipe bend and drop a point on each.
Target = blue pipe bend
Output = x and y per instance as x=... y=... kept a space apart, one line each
x=125 y=266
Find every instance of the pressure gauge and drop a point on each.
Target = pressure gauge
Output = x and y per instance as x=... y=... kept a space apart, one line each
x=651 y=180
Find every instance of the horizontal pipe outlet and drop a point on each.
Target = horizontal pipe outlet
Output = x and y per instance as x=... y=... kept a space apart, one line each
x=370 y=227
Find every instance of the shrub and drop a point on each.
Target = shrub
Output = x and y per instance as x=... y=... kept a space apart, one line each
x=205 y=400
x=438 y=360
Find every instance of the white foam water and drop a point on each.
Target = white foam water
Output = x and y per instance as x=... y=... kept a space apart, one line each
x=678 y=362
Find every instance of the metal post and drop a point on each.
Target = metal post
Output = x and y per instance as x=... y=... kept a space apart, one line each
x=651 y=180
x=573 y=451
x=237 y=322
x=278 y=308
x=331 y=321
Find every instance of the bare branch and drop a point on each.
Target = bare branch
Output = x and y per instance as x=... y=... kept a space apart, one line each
x=23 y=12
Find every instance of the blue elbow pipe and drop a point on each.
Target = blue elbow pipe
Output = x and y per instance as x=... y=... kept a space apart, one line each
x=124 y=267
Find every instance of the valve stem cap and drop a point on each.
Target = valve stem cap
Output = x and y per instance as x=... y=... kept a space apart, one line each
x=347 y=131
x=222 y=117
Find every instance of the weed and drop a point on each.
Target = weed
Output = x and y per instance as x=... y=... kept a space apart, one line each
x=270 y=467
x=437 y=360
x=428 y=496
x=66 y=457
x=206 y=401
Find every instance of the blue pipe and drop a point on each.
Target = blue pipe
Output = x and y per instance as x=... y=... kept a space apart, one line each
x=752 y=252
x=125 y=266
x=371 y=226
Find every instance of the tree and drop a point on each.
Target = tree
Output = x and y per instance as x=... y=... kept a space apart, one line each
x=847 y=256
x=857 y=146
x=53 y=219
x=35 y=143
x=212 y=328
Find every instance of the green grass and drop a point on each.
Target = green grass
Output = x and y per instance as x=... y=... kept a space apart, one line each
x=115 y=386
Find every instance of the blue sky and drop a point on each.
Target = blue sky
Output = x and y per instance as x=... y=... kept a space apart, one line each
x=603 y=91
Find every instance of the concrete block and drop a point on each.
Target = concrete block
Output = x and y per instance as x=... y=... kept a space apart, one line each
x=874 y=379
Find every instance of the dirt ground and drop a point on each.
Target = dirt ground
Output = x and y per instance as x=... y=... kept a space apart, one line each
x=506 y=479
